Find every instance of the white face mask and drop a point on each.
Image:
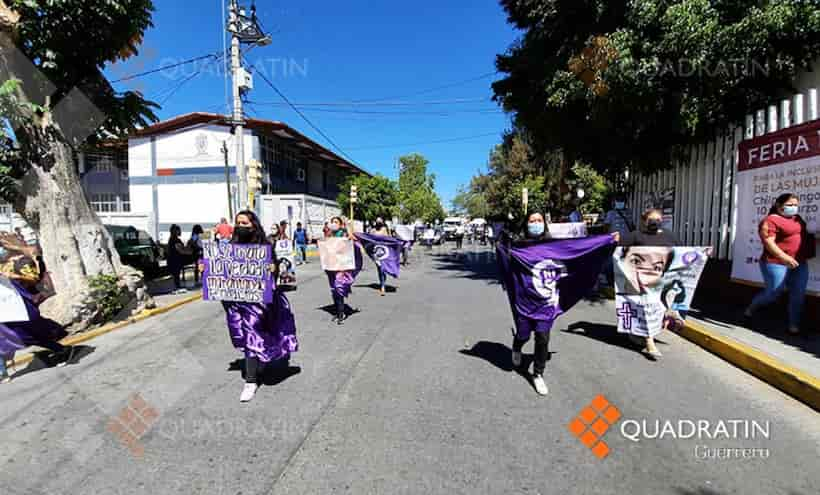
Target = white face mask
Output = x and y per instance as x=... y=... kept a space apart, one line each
x=620 y=205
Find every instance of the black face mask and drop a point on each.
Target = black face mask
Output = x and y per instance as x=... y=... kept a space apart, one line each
x=653 y=227
x=244 y=234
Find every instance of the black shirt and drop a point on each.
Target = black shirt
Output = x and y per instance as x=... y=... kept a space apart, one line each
x=640 y=238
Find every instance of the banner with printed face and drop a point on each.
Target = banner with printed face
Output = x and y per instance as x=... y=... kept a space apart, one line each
x=285 y=257
x=237 y=272
x=337 y=254
x=786 y=161
x=405 y=232
x=654 y=285
x=567 y=230
x=12 y=305
x=545 y=279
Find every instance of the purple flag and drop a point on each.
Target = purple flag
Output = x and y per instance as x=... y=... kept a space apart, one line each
x=37 y=330
x=384 y=251
x=545 y=279
x=237 y=272
x=342 y=282
x=266 y=331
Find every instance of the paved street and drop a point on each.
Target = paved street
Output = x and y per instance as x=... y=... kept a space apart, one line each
x=414 y=394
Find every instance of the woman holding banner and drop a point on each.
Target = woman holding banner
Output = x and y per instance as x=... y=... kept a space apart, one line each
x=341 y=282
x=263 y=332
x=786 y=247
x=381 y=229
x=645 y=270
x=544 y=279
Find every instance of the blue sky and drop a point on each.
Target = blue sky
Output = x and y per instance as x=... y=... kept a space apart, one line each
x=331 y=51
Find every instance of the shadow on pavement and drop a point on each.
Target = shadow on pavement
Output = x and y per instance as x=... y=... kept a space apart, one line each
x=331 y=310
x=272 y=374
x=375 y=286
x=500 y=356
x=473 y=266
x=47 y=359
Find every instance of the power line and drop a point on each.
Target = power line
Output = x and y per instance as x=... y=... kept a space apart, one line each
x=451 y=140
x=430 y=90
x=184 y=81
x=304 y=117
x=385 y=104
x=443 y=113
x=166 y=67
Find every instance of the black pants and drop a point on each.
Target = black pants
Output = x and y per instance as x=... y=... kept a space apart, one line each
x=542 y=351
x=52 y=346
x=252 y=365
x=175 y=270
x=459 y=242
x=339 y=302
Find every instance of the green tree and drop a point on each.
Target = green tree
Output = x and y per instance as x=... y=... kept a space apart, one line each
x=417 y=195
x=378 y=196
x=595 y=187
x=628 y=84
x=55 y=51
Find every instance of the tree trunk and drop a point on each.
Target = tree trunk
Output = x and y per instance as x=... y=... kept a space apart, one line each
x=74 y=242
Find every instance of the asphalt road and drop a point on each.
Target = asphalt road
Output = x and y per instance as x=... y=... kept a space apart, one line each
x=415 y=394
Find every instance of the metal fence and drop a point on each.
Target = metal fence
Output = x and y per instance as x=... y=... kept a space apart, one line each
x=705 y=191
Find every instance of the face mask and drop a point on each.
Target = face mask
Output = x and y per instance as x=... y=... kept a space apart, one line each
x=620 y=205
x=653 y=226
x=535 y=229
x=244 y=234
x=334 y=227
x=274 y=232
x=195 y=237
x=790 y=211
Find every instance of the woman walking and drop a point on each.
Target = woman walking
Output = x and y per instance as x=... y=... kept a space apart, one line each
x=786 y=248
x=650 y=234
x=263 y=332
x=381 y=229
x=176 y=254
x=340 y=282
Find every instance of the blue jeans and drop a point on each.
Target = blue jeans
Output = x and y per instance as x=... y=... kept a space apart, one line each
x=301 y=251
x=382 y=278
x=779 y=278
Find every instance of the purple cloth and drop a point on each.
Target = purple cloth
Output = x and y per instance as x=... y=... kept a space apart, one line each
x=19 y=335
x=526 y=326
x=384 y=251
x=545 y=279
x=341 y=283
x=265 y=331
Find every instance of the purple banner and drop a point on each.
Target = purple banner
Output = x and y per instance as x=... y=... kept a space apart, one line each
x=237 y=272
x=544 y=280
x=384 y=251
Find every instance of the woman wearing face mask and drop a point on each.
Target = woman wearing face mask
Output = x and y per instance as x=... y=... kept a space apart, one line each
x=650 y=234
x=263 y=332
x=786 y=247
x=336 y=280
x=534 y=232
x=381 y=229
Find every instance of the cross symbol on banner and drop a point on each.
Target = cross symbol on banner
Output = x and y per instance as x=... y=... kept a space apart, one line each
x=626 y=313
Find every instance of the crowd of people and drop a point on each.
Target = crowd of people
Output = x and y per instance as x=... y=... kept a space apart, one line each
x=267 y=332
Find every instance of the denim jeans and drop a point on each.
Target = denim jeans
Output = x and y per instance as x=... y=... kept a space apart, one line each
x=382 y=278
x=779 y=278
x=301 y=251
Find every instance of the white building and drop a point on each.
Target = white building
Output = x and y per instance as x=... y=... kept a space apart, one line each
x=175 y=171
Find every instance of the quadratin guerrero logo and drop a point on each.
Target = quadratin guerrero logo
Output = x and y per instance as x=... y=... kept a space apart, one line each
x=592 y=424
x=600 y=415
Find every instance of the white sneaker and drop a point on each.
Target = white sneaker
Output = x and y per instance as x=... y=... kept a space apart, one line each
x=516 y=358
x=4 y=377
x=540 y=385
x=248 y=392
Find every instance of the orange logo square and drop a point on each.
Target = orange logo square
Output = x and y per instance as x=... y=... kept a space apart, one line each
x=593 y=422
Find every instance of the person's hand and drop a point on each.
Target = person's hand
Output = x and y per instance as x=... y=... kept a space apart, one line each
x=201 y=267
x=616 y=236
x=11 y=243
x=790 y=262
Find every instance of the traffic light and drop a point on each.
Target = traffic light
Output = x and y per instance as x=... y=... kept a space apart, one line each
x=254 y=176
x=354 y=198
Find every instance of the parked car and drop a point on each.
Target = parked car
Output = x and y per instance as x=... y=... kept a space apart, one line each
x=451 y=225
x=136 y=248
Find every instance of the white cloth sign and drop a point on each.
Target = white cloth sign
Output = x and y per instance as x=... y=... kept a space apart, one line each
x=654 y=284
x=787 y=161
x=405 y=232
x=567 y=230
x=12 y=306
x=337 y=254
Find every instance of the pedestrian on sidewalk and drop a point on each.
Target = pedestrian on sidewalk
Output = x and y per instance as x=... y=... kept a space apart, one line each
x=650 y=234
x=300 y=239
x=177 y=254
x=265 y=333
x=459 y=236
x=381 y=229
x=786 y=248
x=195 y=246
x=341 y=282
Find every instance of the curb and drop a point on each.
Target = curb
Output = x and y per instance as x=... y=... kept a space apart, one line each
x=86 y=336
x=799 y=384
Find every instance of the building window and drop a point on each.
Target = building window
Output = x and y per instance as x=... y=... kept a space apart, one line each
x=110 y=203
x=5 y=210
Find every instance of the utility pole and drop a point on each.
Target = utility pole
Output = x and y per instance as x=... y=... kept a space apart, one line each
x=243 y=29
x=228 y=180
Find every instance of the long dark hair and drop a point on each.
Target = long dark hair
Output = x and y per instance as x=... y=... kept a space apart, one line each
x=780 y=201
x=175 y=231
x=258 y=232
